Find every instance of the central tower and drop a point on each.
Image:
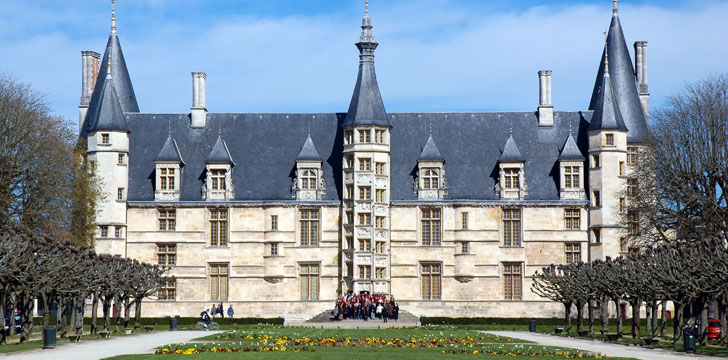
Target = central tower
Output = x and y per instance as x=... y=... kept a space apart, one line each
x=365 y=249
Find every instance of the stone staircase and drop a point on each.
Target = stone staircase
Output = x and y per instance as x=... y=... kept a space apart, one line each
x=326 y=316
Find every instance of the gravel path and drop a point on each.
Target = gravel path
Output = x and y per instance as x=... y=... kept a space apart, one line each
x=597 y=346
x=103 y=348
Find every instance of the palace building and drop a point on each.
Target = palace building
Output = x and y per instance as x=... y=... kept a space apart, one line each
x=279 y=214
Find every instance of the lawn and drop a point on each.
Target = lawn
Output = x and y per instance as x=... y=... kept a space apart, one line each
x=274 y=342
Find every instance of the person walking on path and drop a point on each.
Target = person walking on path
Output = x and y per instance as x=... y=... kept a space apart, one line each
x=231 y=312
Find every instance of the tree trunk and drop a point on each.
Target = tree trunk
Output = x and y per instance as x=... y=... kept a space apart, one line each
x=591 y=316
x=648 y=318
x=61 y=317
x=579 y=316
x=94 y=312
x=636 y=319
x=704 y=323
x=26 y=316
x=2 y=318
x=677 y=322
x=105 y=307
x=619 y=316
x=46 y=309
x=117 y=313
x=80 y=304
x=654 y=318
x=73 y=317
x=605 y=315
x=127 y=310
x=567 y=316
x=663 y=317
x=137 y=312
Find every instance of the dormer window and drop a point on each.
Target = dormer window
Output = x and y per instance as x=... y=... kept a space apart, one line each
x=309 y=180
x=105 y=139
x=430 y=182
x=166 y=179
x=219 y=168
x=308 y=183
x=571 y=163
x=168 y=172
x=571 y=177
x=431 y=179
x=218 y=179
x=511 y=179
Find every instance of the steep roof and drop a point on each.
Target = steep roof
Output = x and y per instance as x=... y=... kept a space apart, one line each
x=624 y=83
x=169 y=151
x=571 y=151
x=430 y=151
x=265 y=147
x=510 y=151
x=219 y=153
x=607 y=114
x=366 y=106
x=308 y=151
x=107 y=113
x=122 y=83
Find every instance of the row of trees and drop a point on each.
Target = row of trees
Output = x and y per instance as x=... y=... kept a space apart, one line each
x=62 y=273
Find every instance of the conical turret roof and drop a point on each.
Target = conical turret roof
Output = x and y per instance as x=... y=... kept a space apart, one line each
x=607 y=114
x=308 y=151
x=169 y=151
x=220 y=153
x=510 y=151
x=571 y=150
x=430 y=151
x=623 y=81
x=108 y=114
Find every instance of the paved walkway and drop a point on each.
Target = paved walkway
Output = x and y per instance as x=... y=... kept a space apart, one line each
x=597 y=346
x=103 y=348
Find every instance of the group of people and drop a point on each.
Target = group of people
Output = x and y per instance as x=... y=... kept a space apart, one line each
x=365 y=306
x=215 y=311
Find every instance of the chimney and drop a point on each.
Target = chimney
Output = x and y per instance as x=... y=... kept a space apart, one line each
x=545 y=108
x=640 y=67
x=199 y=110
x=89 y=73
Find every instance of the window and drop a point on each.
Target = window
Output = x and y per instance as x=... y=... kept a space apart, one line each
x=512 y=288
x=633 y=222
x=309 y=227
x=379 y=136
x=512 y=227
x=596 y=201
x=379 y=248
x=348 y=161
x=365 y=219
x=218 y=281
x=573 y=219
x=167 y=254
x=308 y=180
x=350 y=217
x=117 y=231
x=571 y=176
x=166 y=179
x=632 y=188
x=380 y=168
x=379 y=222
x=274 y=249
x=349 y=137
x=609 y=141
x=623 y=244
x=365 y=272
x=597 y=236
x=168 y=289
x=380 y=196
x=365 y=164
x=274 y=222
x=365 y=245
x=309 y=281
x=621 y=168
x=622 y=205
x=511 y=178
x=167 y=221
x=350 y=242
x=218 y=179
x=104 y=231
x=573 y=252
x=465 y=247
x=430 y=276
x=380 y=273
x=120 y=160
x=632 y=156
x=595 y=161
x=218 y=227
x=365 y=136
x=365 y=193
x=464 y=218
x=120 y=194
x=105 y=139
x=431 y=179
x=431 y=227
x=349 y=191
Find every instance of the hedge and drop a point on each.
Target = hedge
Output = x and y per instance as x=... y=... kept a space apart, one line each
x=435 y=320
x=182 y=321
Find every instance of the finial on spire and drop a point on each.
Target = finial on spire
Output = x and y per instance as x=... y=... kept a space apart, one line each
x=606 y=58
x=366 y=29
x=616 y=8
x=570 y=127
x=113 y=16
x=366 y=8
x=510 y=130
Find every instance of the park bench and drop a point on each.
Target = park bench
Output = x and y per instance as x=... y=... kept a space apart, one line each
x=105 y=334
x=129 y=331
x=149 y=328
x=558 y=330
x=612 y=337
x=652 y=341
x=74 y=337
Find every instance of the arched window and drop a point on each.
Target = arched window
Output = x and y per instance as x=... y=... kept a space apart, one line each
x=308 y=180
x=431 y=179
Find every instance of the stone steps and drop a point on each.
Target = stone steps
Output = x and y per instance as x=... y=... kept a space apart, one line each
x=404 y=316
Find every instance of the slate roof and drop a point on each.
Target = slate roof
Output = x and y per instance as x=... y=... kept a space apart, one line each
x=169 y=151
x=107 y=113
x=607 y=114
x=265 y=148
x=571 y=151
x=510 y=151
x=122 y=84
x=430 y=151
x=219 y=153
x=624 y=83
x=308 y=151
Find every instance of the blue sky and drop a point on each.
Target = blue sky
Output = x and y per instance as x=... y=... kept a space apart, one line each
x=298 y=55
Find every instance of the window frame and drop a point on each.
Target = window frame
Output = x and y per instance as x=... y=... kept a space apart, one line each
x=309 y=179
x=572 y=252
x=430 y=280
x=633 y=155
x=512 y=220
x=431 y=179
x=218 y=179
x=431 y=226
x=365 y=164
x=168 y=252
x=169 y=286
x=306 y=272
x=511 y=178
x=219 y=227
x=217 y=277
x=365 y=272
x=274 y=249
x=464 y=218
x=167 y=219
x=274 y=223
x=572 y=219
x=572 y=177
x=608 y=139
x=309 y=221
x=512 y=280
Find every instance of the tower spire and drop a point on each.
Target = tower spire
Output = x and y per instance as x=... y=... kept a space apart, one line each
x=615 y=10
x=367 y=44
x=113 y=16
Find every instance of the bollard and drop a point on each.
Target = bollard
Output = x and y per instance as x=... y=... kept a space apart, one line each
x=49 y=337
x=532 y=325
